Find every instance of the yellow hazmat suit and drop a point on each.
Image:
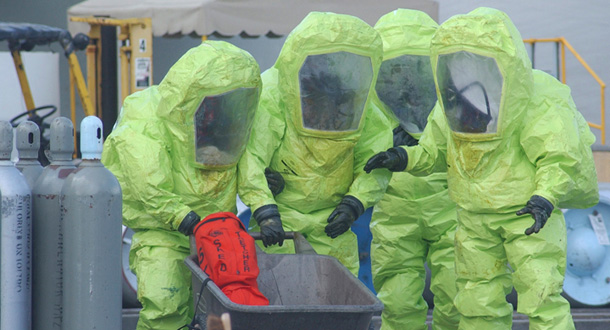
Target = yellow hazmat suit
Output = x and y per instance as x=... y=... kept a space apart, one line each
x=314 y=126
x=415 y=220
x=174 y=151
x=517 y=146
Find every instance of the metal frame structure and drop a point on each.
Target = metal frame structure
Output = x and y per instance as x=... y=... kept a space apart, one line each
x=135 y=35
x=24 y=37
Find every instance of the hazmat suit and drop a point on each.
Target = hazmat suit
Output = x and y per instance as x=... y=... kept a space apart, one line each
x=174 y=151
x=315 y=128
x=518 y=151
x=415 y=220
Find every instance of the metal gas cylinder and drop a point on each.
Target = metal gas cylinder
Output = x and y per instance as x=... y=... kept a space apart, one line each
x=15 y=244
x=91 y=209
x=27 y=142
x=47 y=247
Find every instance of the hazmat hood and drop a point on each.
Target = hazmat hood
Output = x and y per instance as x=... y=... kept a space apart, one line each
x=232 y=17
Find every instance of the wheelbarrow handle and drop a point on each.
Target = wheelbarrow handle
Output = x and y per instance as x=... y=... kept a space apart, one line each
x=258 y=236
x=301 y=245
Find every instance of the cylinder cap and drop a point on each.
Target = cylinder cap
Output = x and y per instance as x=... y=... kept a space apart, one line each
x=91 y=139
x=62 y=139
x=27 y=140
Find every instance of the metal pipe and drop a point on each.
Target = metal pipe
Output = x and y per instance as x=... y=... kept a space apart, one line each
x=73 y=107
x=558 y=61
x=23 y=80
x=81 y=86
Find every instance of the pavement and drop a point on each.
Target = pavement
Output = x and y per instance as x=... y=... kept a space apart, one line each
x=584 y=319
x=130 y=318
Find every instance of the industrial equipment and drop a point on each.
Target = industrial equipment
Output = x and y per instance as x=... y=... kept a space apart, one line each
x=24 y=37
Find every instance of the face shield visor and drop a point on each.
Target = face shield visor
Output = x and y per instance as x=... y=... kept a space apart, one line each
x=222 y=126
x=471 y=88
x=334 y=88
x=405 y=84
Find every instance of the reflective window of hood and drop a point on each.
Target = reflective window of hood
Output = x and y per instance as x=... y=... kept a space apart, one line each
x=405 y=84
x=222 y=126
x=471 y=89
x=334 y=88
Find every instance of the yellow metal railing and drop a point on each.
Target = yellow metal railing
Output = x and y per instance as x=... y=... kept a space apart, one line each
x=563 y=43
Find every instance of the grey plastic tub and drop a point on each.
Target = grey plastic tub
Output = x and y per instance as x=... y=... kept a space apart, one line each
x=305 y=291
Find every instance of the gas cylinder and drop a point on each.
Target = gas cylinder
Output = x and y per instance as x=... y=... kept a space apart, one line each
x=15 y=244
x=91 y=205
x=47 y=246
x=27 y=142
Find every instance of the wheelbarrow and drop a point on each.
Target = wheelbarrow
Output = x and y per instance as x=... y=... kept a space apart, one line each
x=306 y=291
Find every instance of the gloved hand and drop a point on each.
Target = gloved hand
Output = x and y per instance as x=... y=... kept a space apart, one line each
x=188 y=223
x=343 y=216
x=394 y=159
x=268 y=218
x=540 y=209
x=275 y=181
x=402 y=138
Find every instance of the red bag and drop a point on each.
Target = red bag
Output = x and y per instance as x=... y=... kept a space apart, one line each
x=227 y=254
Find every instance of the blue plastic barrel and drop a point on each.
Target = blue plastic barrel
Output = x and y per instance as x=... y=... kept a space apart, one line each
x=587 y=279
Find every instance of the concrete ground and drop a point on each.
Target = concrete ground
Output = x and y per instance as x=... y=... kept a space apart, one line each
x=584 y=319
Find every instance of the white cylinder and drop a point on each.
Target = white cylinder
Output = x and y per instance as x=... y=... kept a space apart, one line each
x=91 y=139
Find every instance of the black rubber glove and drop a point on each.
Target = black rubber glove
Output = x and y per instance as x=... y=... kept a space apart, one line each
x=402 y=138
x=268 y=218
x=394 y=159
x=540 y=209
x=188 y=223
x=275 y=181
x=343 y=216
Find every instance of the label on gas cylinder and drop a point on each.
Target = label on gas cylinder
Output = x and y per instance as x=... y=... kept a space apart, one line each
x=16 y=250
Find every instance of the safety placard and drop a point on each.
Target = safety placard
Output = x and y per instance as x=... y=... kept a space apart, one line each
x=142 y=72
